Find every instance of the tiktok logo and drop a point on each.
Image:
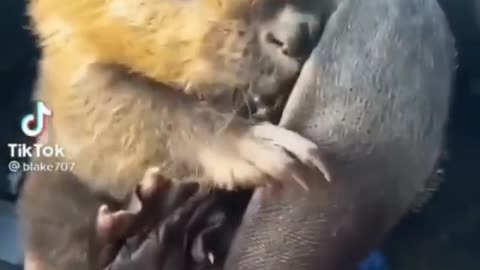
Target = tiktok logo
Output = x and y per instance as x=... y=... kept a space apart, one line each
x=33 y=124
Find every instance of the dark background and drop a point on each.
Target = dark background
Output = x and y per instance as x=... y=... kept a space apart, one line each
x=445 y=235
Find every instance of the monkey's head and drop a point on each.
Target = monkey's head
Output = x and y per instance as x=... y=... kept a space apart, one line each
x=200 y=45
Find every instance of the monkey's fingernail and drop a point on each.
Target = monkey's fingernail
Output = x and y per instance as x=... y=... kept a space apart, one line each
x=151 y=182
x=151 y=174
x=103 y=209
x=122 y=219
x=121 y=214
x=134 y=205
x=147 y=186
x=300 y=181
x=319 y=164
x=211 y=258
x=327 y=176
x=104 y=223
x=154 y=171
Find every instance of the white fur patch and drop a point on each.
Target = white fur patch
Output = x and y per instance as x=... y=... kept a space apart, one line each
x=132 y=12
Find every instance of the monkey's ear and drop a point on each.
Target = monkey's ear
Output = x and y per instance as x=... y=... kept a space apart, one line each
x=134 y=13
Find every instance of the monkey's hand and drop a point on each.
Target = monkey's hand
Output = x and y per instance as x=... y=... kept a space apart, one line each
x=265 y=152
x=144 y=237
x=153 y=125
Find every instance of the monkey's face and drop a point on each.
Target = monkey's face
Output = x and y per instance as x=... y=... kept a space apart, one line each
x=258 y=45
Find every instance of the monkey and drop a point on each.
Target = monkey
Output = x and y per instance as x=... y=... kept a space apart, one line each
x=133 y=85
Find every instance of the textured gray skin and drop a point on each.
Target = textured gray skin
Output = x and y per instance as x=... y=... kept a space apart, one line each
x=375 y=95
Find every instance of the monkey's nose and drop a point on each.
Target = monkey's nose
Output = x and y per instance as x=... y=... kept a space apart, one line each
x=292 y=40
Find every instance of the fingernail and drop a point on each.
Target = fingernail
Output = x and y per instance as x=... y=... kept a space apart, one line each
x=104 y=209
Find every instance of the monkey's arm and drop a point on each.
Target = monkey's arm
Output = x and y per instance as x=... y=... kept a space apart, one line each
x=114 y=125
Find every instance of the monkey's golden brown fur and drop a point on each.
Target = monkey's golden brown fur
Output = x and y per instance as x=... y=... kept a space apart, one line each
x=168 y=41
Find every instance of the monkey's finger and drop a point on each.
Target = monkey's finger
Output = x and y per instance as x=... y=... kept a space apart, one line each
x=31 y=262
x=122 y=222
x=152 y=252
x=161 y=203
x=303 y=149
x=300 y=181
x=112 y=226
x=293 y=175
x=314 y=159
x=152 y=183
x=134 y=205
x=128 y=231
x=272 y=161
x=104 y=224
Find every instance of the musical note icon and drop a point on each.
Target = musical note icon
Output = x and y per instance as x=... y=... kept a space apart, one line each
x=33 y=124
